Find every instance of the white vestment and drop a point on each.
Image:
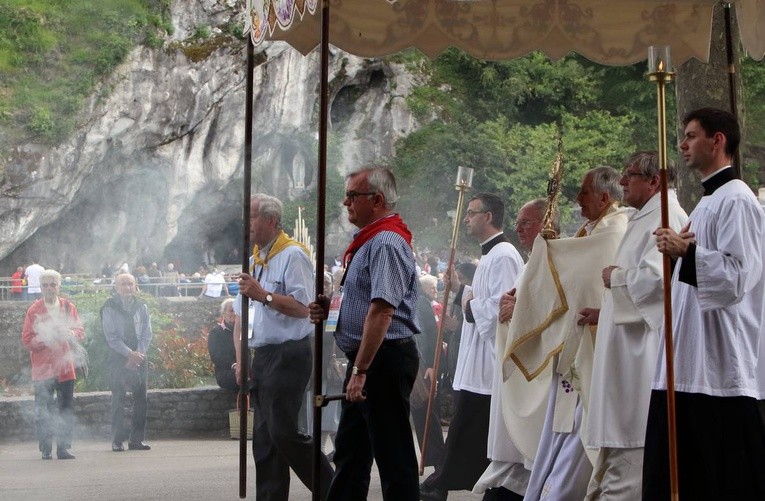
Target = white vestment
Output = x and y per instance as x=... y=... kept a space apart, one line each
x=627 y=346
x=548 y=347
x=496 y=273
x=717 y=325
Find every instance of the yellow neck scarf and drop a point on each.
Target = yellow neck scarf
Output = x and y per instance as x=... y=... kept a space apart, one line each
x=281 y=242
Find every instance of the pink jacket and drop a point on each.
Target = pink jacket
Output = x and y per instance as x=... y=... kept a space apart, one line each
x=47 y=343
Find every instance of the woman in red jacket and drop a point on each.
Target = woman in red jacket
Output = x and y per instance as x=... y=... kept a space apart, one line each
x=52 y=332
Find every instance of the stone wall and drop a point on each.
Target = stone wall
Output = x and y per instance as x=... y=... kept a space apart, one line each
x=172 y=413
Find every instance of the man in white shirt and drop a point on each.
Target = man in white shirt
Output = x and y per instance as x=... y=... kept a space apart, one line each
x=279 y=289
x=717 y=314
x=466 y=455
x=32 y=274
x=628 y=336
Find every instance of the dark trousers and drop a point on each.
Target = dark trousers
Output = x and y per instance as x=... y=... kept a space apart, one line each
x=720 y=448
x=465 y=459
x=49 y=423
x=226 y=379
x=280 y=374
x=134 y=381
x=378 y=428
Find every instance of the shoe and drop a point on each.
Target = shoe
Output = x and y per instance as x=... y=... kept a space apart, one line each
x=46 y=455
x=117 y=446
x=64 y=454
x=138 y=446
x=428 y=493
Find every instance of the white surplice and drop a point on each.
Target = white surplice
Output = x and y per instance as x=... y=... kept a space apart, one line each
x=718 y=325
x=496 y=273
x=627 y=346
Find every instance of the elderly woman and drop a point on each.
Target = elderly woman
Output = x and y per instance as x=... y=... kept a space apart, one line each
x=52 y=331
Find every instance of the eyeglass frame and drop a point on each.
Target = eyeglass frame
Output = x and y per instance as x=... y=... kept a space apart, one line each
x=471 y=213
x=353 y=195
x=50 y=284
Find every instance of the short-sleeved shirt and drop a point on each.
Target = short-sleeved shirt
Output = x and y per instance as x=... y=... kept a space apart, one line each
x=383 y=268
x=289 y=273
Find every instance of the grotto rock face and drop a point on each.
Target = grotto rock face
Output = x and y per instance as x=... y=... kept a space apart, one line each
x=154 y=172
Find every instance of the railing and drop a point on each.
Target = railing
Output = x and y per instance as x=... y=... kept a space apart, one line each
x=106 y=285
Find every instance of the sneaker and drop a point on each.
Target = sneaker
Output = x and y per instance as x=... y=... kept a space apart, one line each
x=64 y=454
x=117 y=446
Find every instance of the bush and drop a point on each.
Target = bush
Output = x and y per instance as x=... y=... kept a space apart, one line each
x=175 y=361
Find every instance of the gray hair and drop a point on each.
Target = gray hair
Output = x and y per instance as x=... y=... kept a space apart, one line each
x=540 y=205
x=380 y=180
x=51 y=274
x=269 y=206
x=428 y=280
x=225 y=303
x=648 y=163
x=606 y=180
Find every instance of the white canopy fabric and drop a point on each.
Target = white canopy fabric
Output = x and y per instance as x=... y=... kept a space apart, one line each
x=611 y=32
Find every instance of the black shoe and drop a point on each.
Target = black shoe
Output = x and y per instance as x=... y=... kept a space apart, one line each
x=64 y=454
x=117 y=446
x=428 y=493
x=46 y=455
x=138 y=446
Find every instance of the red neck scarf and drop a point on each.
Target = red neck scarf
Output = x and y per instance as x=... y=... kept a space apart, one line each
x=392 y=223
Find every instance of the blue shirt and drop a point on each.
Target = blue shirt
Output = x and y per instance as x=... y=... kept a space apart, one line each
x=383 y=268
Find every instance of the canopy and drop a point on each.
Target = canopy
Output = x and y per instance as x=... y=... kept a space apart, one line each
x=609 y=32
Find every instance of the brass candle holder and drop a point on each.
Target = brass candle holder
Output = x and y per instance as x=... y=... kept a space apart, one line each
x=660 y=71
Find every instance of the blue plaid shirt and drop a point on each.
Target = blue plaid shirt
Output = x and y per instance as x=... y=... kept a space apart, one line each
x=383 y=268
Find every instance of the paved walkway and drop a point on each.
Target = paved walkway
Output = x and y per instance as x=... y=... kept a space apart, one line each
x=183 y=470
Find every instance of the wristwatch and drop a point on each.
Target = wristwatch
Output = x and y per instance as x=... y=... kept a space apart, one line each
x=358 y=372
x=268 y=299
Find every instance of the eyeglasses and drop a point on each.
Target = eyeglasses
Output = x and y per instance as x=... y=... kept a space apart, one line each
x=471 y=213
x=51 y=285
x=526 y=223
x=352 y=195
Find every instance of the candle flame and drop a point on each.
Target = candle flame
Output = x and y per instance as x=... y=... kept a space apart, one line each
x=661 y=65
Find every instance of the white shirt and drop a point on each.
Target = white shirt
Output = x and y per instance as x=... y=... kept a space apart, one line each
x=718 y=324
x=215 y=283
x=495 y=275
x=33 y=278
x=627 y=346
x=288 y=273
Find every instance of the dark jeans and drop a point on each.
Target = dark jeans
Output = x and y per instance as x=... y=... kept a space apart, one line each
x=49 y=423
x=134 y=381
x=378 y=428
x=280 y=374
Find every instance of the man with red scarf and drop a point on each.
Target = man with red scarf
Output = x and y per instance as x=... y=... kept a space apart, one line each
x=374 y=318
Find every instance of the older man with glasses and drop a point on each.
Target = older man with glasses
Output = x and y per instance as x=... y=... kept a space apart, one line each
x=52 y=331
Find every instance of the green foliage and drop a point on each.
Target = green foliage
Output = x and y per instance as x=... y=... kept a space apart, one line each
x=504 y=118
x=175 y=360
x=52 y=54
x=202 y=32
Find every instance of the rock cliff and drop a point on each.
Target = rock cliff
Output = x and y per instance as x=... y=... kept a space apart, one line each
x=154 y=172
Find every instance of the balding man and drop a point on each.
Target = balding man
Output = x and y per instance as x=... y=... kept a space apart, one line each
x=127 y=328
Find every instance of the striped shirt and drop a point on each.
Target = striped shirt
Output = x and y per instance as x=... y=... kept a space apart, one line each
x=383 y=268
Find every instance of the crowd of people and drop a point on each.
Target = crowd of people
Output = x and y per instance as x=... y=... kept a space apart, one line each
x=556 y=364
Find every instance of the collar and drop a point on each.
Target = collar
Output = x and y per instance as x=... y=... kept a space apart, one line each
x=717 y=179
x=488 y=245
